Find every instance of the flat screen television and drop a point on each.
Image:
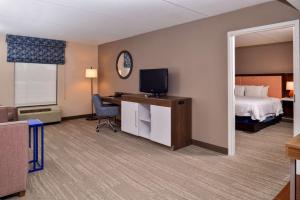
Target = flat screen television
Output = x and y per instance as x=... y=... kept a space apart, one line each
x=154 y=81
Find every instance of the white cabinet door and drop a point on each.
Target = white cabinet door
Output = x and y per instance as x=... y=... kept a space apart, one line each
x=129 y=117
x=161 y=124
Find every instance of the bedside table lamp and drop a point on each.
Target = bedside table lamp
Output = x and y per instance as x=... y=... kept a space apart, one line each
x=290 y=87
x=91 y=73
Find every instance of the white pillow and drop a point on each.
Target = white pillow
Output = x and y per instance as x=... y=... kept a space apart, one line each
x=253 y=91
x=265 y=91
x=239 y=90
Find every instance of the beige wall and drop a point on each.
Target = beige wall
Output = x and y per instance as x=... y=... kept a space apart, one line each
x=6 y=76
x=196 y=55
x=73 y=88
x=262 y=59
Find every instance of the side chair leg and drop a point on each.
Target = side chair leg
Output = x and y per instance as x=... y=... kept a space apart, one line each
x=107 y=122
x=98 y=126
x=111 y=125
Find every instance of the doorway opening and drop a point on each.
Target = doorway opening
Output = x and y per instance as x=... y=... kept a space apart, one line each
x=273 y=85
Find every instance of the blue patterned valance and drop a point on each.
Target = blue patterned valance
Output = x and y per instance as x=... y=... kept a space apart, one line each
x=35 y=50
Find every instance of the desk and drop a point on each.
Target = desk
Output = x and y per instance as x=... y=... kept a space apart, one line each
x=114 y=100
x=293 y=152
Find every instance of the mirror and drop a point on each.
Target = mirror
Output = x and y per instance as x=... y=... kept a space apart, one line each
x=124 y=64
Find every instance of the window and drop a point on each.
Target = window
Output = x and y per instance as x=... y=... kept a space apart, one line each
x=35 y=84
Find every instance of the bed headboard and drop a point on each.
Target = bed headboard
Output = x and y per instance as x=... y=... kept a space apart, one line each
x=276 y=82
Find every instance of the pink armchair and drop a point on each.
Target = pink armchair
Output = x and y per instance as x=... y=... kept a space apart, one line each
x=13 y=155
x=8 y=114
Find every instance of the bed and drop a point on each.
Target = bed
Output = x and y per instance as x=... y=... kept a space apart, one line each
x=254 y=112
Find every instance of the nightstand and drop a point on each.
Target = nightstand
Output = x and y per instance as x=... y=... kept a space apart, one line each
x=288 y=108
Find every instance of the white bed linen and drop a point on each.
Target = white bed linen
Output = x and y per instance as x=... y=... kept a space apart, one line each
x=257 y=108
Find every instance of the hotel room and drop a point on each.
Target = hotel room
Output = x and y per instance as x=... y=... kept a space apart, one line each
x=264 y=79
x=149 y=99
x=264 y=89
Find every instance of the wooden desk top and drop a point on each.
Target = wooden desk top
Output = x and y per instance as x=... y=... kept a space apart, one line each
x=114 y=100
x=293 y=148
x=140 y=98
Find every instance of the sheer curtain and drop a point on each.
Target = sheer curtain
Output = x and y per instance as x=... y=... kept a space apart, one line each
x=35 y=84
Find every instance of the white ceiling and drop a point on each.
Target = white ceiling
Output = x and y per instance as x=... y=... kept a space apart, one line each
x=265 y=37
x=295 y=3
x=101 y=21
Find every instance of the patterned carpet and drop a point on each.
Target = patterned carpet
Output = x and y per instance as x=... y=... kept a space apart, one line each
x=82 y=165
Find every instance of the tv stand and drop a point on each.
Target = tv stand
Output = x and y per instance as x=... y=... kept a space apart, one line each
x=165 y=120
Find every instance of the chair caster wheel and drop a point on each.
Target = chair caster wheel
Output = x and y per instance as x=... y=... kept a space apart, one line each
x=115 y=131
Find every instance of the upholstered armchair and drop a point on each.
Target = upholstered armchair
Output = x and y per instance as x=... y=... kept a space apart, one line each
x=13 y=153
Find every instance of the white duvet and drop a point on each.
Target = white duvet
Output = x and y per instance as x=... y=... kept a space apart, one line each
x=257 y=108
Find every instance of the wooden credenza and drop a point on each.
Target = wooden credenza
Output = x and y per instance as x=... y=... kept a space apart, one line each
x=166 y=120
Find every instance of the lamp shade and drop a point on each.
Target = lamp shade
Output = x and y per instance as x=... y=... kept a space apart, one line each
x=91 y=73
x=290 y=85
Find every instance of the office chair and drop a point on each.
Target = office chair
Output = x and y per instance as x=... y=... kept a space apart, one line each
x=106 y=113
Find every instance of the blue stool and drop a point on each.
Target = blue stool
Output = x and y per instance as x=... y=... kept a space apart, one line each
x=34 y=125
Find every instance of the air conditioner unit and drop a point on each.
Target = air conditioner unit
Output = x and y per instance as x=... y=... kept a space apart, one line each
x=45 y=114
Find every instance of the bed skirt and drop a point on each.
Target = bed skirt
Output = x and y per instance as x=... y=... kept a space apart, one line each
x=251 y=126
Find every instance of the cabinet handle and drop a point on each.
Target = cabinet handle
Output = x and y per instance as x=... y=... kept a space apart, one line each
x=135 y=118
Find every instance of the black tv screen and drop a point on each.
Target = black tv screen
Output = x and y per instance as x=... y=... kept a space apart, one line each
x=154 y=81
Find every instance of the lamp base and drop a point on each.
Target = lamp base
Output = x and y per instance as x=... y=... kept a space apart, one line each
x=291 y=93
x=91 y=118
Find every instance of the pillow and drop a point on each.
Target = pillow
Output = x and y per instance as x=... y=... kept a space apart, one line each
x=239 y=90
x=253 y=91
x=265 y=91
